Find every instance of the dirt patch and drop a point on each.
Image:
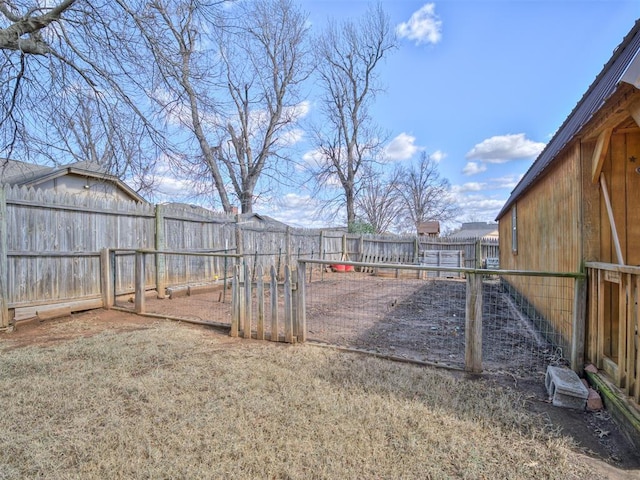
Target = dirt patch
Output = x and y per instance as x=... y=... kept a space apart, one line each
x=425 y=320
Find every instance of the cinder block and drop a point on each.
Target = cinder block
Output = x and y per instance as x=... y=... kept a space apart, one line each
x=565 y=388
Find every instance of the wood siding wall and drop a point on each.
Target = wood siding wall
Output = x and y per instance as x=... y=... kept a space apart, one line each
x=624 y=189
x=549 y=238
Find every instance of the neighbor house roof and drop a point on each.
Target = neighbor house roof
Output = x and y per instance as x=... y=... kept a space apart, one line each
x=623 y=61
x=429 y=228
x=476 y=230
x=14 y=172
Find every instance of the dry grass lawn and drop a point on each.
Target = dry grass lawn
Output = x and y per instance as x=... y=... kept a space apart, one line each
x=174 y=401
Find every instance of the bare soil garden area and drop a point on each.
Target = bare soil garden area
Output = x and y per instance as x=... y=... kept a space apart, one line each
x=423 y=319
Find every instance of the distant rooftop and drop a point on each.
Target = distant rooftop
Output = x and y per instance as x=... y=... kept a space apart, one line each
x=476 y=230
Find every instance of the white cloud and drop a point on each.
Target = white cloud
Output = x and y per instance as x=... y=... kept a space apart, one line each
x=438 y=156
x=297 y=210
x=469 y=187
x=473 y=168
x=508 y=181
x=290 y=137
x=424 y=26
x=402 y=147
x=504 y=148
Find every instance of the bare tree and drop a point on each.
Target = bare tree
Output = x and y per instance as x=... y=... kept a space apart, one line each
x=348 y=57
x=265 y=61
x=378 y=203
x=57 y=60
x=424 y=194
x=228 y=76
x=116 y=143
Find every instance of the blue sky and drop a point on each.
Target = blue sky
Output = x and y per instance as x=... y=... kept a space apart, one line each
x=480 y=85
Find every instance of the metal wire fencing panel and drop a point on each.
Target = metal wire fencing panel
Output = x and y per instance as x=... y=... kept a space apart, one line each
x=526 y=320
x=403 y=316
x=523 y=334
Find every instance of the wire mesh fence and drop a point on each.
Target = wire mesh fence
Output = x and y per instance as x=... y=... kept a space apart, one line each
x=194 y=286
x=517 y=322
x=526 y=319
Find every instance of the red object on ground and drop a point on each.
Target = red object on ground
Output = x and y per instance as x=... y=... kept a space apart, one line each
x=342 y=268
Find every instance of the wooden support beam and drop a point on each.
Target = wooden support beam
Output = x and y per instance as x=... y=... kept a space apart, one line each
x=107 y=281
x=600 y=153
x=139 y=280
x=578 y=330
x=4 y=289
x=612 y=220
x=473 y=327
x=634 y=110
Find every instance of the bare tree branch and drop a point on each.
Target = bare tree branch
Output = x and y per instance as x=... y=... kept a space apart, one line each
x=424 y=193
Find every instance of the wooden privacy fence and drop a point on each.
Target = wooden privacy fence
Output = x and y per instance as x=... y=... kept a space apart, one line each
x=50 y=246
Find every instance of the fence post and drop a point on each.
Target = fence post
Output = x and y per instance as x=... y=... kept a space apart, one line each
x=301 y=319
x=273 y=285
x=478 y=253
x=473 y=324
x=239 y=239
x=247 y=302
x=235 y=301
x=139 y=279
x=260 y=301
x=107 y=282
x=578 y=330
x=287 y=246
x=288 y=310
x=4 y=268
x=321 y=254
x=160 y=257
x=344 y=247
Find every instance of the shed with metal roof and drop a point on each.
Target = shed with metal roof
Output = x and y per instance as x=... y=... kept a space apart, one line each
x=578 y=209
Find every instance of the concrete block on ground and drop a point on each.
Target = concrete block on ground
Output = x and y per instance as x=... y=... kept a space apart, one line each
x=565 y=388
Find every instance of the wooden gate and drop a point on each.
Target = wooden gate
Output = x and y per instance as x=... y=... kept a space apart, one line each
x=266 y=307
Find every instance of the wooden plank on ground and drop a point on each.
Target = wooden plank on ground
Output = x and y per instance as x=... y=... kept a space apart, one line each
x=51 y=313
